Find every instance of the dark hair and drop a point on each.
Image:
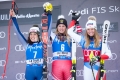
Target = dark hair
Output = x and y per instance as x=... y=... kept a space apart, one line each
x=38 y=33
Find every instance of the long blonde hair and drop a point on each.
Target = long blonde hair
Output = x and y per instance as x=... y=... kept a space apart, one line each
x=96 y=35
x=68 y=37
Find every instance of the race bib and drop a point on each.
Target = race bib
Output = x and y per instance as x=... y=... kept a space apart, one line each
x=60 y=54
x=35 y=61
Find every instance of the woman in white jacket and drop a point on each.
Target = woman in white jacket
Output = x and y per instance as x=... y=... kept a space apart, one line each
x=91 y=42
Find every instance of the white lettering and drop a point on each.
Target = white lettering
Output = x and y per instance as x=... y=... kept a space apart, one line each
x=111 y=71
x=3 y=48
x=32 y=16
x=103 y=9
x=86 y=52
x=83 y=12
x=24 y=61
x=35 y=47
x=4 y=17
x=24 y=33
x=112 y=41
x=78 y=58
x=20 y=16
x=99 y=10
x=29 y=15
x=114 y=9
x=93 y=9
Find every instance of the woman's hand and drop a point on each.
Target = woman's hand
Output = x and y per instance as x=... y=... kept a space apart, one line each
x=12 y=13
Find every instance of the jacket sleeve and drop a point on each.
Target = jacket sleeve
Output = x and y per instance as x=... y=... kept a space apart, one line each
x=50 y=33
x=75 y=36
x=18 y=32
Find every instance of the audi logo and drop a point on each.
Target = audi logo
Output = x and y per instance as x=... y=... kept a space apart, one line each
x=2 y=63
x=2 y=34
x=19 y=48
x=1 y=77
x=114 y=56
x=79 y=73
x=20 y=76
x=49 y=60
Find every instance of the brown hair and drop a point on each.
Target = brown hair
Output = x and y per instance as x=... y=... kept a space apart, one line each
x=96 y=35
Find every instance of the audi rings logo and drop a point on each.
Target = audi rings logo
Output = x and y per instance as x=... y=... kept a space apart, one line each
x=2 y=63
x=20 y=76
x=1 y=77
x=79 y=73
x=78 y=45
x=114 y=56
x=19 y=48
x=49 y=60
x=2 y=34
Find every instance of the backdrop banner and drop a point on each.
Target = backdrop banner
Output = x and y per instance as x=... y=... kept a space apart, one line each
x=101 y=9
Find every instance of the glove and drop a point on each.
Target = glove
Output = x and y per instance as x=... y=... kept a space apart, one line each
x=77 y=23
x=47 y=8
x=76 y=16
x=79 y=29
x=94 y=59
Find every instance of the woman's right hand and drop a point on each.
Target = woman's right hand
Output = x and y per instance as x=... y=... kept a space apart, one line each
x=76 y=16
x=12 y=13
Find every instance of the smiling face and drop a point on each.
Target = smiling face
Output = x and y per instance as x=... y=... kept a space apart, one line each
x=61 y=28
x=33 y=37
x=91 y=32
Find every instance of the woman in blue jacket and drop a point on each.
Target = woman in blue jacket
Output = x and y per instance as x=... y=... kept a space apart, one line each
x=34 y=50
